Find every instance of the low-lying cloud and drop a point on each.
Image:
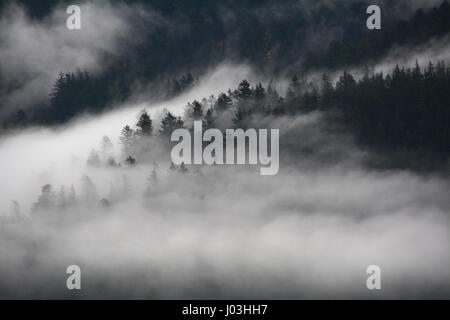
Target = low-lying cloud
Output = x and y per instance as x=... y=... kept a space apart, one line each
x=221 y=231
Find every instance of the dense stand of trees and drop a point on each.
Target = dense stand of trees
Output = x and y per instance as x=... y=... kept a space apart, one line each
x=75 y=93
x=270 y=42
x=404 y=113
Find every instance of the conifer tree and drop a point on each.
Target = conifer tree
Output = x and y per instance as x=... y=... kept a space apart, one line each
x=223 y=102
x=244 y=91
x=144 y=124
x=169 y=123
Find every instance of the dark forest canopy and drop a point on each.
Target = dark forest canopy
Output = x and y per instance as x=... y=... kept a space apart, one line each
x=406 y=111
x=269 y=34
x=271 y=43
x=274 y=37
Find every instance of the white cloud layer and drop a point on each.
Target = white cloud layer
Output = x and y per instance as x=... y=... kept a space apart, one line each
x=308 y=232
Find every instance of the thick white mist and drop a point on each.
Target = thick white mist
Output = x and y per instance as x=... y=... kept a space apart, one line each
x=310 y=231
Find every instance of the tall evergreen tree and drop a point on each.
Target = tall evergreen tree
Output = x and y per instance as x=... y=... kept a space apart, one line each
x=144 y=124
x=243 y=91
x=47 y=199
x=169 y=123
x=260 y=92
x=195 y=110
x=127 y=138
x=223 y=102
x=208 y=121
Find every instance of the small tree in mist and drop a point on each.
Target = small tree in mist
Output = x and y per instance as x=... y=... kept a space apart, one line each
x=107 y=152
x=127 y=135
x=327 y=92
x=112 y=162
x=106 y=146
x=127 y=138
x=273 y=97
x=260 y=92
x=223 y=102
x=144 y=124
x=195 y=110
x=208 y=121
x=154 y=177
x=169 y=123
x=130 y=161
x=243 y=91
x=239 y=118
x=20 y=119
x=46 y=200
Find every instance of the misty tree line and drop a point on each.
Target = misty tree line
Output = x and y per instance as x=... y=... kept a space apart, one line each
x=135 y=140
x=270 y=42
x=57 y=200
x=53 y=200
x=131 y=140
x=406 y=111
x=67 y=198
x=77 y=92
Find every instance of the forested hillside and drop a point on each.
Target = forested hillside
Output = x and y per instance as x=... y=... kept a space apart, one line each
x=404 y=114
x=291 y=39
x=401 y=113
x=224 y=149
